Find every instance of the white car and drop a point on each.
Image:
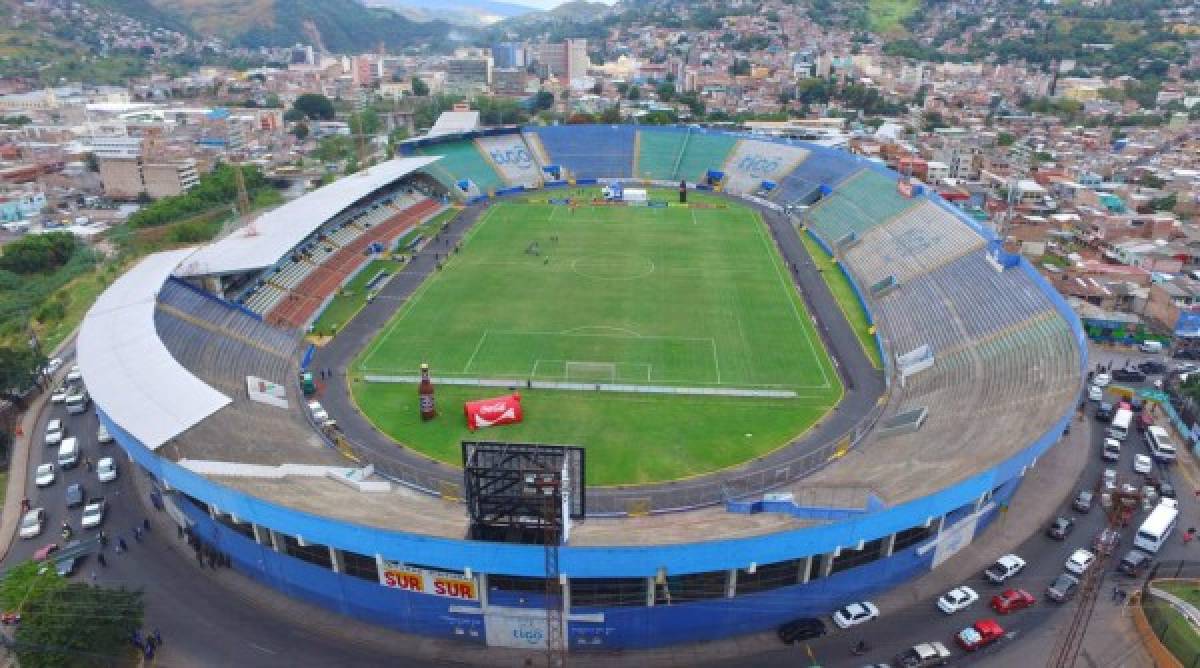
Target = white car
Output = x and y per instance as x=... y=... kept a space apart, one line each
x=55 y=430
x=31 y=523
x=1095 y=393
x=102 y=435
x=59 y=395
x=956 y=599
x=319 y=415
x=52 y=366
x=855 y=614
x=1143 y=464
x=45 y=475
x=1101 y=380
x=1078 y=563
x=74 y=375
x=93 y=513
x=106 y=469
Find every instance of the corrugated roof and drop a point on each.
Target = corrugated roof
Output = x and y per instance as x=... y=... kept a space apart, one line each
x=129 y=373
x=280 y=230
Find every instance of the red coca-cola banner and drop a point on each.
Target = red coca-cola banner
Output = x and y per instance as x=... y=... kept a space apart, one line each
x=493 y=412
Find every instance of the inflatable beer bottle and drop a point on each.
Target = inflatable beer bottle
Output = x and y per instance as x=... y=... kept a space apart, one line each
x=425 y=393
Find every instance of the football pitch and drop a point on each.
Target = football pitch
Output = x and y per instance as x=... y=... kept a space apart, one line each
x=677 y=301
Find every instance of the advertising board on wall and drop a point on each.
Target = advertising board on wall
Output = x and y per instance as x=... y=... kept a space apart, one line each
x=423 y=581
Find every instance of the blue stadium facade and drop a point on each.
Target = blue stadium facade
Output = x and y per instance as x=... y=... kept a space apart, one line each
x=639 y=596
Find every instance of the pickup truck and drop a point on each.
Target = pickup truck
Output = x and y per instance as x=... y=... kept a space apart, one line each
x=1004 y=568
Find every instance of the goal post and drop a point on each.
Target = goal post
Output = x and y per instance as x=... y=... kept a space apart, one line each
x=591 y=372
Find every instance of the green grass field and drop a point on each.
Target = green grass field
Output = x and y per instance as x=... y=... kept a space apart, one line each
x=886 y=15
x=839 y=286
x=351 y=297
x=687 y=297
x=1173 y=628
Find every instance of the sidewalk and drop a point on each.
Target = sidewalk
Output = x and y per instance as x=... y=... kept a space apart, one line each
x=1038 y=500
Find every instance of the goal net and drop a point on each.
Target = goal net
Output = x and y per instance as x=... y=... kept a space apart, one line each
x=591 y=372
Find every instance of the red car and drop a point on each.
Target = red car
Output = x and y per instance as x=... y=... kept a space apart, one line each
x=1012 y=600
x=45 y=551
x=983 y=633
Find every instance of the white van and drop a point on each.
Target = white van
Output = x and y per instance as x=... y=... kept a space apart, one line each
x=68 y=453
x=1152 y=347
x=1160 y=444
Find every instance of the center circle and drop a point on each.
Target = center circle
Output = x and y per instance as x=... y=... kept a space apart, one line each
x=613 y=266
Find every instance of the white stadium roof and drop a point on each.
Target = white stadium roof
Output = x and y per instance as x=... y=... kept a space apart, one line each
x=280 y=230
x=127 y=367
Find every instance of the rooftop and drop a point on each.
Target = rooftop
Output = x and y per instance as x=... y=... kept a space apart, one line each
x=278 y=231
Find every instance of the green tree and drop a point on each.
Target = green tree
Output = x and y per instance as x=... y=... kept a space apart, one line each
x=665 y=91
x=39 y=253
x=1005 y=139
x=543 y=100
x=635 y=92
x=67 y=623
x=300 y=130
x=419 y=88
x=611 y=115
x=315 y=106
x=18 y=367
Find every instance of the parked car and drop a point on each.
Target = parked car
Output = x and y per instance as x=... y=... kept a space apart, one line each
x=55 y=430
x=1004 y=568
x=1079 y=561
x=59 y=395
x=805 y=628
x=1083 y=501
x=1105 y=412
x=74 y=375
x=925 y=654
x=1166 y=489
x=106 y=469
x=956 y=599
x=32 y=523
x=1094 y=393
x=1012 y=600
x=1133 y=563
x=1128 y=376
x=102 y=435
x=1152 y=367
x=45 y=475
x=855 y=614
x=1060 y=527
x=45 y=551
x=1111 y=450
x=1143 y=464
x=93 y=514
x=1063 y=588
x=75 y=495
x=980 y=634
x=1101 y=380
x=1185 y=367
x=1187 y=354
x=52 y=366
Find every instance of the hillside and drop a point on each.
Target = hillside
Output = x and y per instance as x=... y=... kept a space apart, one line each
x=344 y=26
x=459 y=12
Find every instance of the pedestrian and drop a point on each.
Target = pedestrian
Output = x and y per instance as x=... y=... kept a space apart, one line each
x=102 y=538
x=146 y=523
x=1116 y=593
x=1187 y=537
x=87 y=461
x=121 y=546
x=157 y=637
x=101 y=560
x=93 y=576
x=25 y=502
x=137 y=534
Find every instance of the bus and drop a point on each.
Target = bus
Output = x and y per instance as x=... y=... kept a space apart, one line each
x=1157 y=527
x=1119 y=428
x=1160 y=444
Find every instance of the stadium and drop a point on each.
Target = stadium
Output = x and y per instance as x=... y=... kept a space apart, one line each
x=746 y=462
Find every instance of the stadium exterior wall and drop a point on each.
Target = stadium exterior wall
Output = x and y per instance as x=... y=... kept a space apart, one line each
x=614 y=627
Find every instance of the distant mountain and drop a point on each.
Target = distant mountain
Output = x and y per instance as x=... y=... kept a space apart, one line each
x=342 y=26
x=460 y=12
